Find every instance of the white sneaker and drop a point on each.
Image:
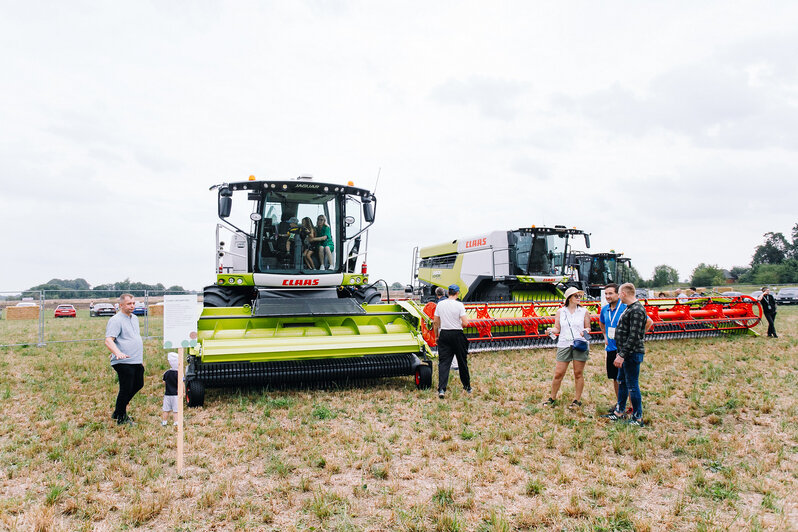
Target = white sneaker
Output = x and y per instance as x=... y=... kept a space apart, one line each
x=163 y=423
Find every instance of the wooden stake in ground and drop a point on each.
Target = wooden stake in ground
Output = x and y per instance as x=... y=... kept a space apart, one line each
x=180 y=331
x=180 y=393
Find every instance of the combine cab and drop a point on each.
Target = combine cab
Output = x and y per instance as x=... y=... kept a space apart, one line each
x=597 y=270
x=511 y=284
x=294 y=307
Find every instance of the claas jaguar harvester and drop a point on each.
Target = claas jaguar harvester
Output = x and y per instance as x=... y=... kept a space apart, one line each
x=284 y=311
x=512 y=284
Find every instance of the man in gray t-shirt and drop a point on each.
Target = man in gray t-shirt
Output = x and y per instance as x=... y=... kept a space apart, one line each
x=123 y=339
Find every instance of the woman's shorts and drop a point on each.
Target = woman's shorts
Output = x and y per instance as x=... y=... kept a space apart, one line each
x=170 y=403
x=567 y=354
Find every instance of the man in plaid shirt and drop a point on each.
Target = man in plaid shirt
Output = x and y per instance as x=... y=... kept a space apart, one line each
x=632 y=327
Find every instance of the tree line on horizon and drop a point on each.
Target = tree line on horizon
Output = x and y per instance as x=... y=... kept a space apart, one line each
x=81 y=289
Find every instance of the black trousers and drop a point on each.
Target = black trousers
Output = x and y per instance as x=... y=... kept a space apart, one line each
x=771 y=317
x=452 y=343
x=131 y=380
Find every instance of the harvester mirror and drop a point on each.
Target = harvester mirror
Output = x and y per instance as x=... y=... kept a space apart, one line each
x=368 y=210
x=587 y=240
x=349 y=220
x=225 y=202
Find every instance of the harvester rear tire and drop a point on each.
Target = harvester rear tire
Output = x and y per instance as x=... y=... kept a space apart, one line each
x=195 y=393
x=223 y=296
x=424 y=377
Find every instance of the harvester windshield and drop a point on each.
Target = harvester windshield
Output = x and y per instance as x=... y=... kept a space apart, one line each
x=602 y=270
x=298 y=231
x=539 y=254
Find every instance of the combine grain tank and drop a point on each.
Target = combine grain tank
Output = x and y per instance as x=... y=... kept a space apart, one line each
x=293 y=306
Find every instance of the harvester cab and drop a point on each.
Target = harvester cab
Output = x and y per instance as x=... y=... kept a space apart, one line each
x=292 y=303
x=302 y=235
x=597 y=270
x=526 y=264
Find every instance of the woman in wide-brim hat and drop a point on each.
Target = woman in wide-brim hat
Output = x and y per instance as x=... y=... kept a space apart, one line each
x=571 y=322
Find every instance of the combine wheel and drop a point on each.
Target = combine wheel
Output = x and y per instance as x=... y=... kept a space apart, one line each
x=369 y=296
x=223 y=296
x=424 y=377
x=195 y=393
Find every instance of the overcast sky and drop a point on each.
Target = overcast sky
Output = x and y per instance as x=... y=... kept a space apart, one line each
x=665 y=129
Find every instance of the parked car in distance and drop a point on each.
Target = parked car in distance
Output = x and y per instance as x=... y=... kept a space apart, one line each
x=26 y=304
x=102 y=309
x=756 y=293
x=731 y=294
x=140 y=309
x=787 y=296
x=641 y=293
x=65 y=311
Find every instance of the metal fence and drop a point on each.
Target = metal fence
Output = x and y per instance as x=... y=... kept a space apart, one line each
x=29 y=318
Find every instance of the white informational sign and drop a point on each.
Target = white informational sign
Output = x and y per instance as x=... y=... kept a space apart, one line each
x=180 y=321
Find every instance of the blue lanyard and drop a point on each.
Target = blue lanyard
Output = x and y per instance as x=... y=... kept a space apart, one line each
x=612 y=316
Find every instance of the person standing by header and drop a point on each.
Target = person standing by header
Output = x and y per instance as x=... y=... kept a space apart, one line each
x=572 y=324
x=123 y=339
x=768 y=303
x=609 y=317
x=632 y=328
x=450 y=318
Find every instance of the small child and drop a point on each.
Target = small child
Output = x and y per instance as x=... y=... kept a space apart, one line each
x=170 y=393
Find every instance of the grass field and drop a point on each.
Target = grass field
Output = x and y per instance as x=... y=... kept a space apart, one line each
x=720 y=450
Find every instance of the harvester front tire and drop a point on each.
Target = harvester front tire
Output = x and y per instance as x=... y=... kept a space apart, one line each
x=369 y=296
x=195 y=393
x=222 y=296
x=424 y=377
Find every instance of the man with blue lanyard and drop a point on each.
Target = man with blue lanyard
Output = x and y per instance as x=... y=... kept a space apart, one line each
x=608 y=320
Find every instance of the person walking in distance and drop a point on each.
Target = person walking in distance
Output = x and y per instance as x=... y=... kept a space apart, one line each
x=609 y=317
x=123 y=339
x=440 y=294
x=632 y=327
x=768 y=303
x=450 y=318
x=572 y=324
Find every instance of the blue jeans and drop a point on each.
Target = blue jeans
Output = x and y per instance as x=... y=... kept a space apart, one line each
x=629 y=375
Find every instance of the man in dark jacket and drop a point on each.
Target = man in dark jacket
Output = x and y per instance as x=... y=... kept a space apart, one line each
x=768 y=303
x=632 y=327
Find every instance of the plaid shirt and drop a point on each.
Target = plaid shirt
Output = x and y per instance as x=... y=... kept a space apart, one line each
x=631 y=329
